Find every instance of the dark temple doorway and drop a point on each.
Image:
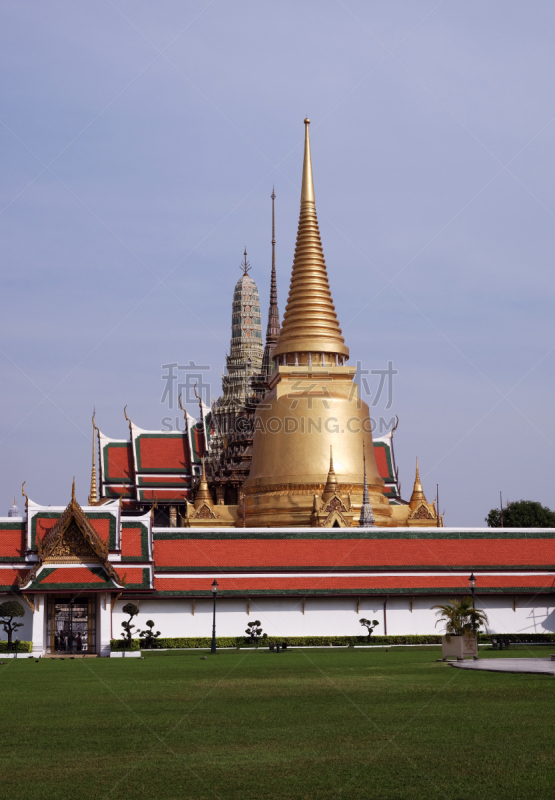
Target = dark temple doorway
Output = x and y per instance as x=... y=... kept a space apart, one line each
x=72 y=625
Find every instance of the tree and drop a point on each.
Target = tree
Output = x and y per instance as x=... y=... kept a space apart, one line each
x=149 y=636
x=460 y=617
x=254 y=631
x=127 y=635
x=522 y=514
x=369 y=625
x=9 y=611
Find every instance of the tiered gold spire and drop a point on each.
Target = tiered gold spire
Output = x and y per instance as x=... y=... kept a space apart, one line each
x=418 y=495
x=203 y=495
x=290 y=460
x=310 y=324
x=331 y=483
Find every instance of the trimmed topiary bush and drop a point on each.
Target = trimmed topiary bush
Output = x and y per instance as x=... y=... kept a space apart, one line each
x=128 y=628
x=149 y=638
x=9 y=611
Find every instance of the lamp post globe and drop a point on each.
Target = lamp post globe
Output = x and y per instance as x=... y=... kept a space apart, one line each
x=214 y=588
x=472 y=584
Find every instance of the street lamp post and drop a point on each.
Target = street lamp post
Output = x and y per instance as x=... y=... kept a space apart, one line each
x=472 y=584
x=214 y=592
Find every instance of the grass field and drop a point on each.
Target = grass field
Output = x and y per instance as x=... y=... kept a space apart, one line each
x=327 y=723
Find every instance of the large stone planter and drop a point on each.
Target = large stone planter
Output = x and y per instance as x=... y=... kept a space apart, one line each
x=459 y=646
x=125 y=654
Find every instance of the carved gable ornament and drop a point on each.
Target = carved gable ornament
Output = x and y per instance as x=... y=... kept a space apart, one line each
x=72 y=545
x=332 y=514
x=204 y=512
x=422 y=512
x=72 y=540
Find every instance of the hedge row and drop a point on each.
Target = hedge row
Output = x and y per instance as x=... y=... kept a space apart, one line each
x=22 y=647
x=118 y=644
x=322 y=641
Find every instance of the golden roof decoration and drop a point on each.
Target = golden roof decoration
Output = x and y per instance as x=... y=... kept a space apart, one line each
x=331 y=483
x=72 y=540
x=203 y=496
x=418 y=495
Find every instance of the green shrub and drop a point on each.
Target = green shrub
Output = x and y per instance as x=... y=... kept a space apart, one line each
x=22 y=647
x=324 y=641
x=120 y=644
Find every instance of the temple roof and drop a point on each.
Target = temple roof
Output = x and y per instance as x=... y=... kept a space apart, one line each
x=375 y=549
x=345 y=584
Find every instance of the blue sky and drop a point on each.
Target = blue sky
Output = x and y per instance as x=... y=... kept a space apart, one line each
x=139 y=145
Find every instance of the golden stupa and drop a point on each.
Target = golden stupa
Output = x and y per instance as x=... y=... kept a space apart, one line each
x=313 y=404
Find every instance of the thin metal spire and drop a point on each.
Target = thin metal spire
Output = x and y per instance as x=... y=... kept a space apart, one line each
x=272 y=330
x=245 y=266
x=93 y=496
x=366 y=516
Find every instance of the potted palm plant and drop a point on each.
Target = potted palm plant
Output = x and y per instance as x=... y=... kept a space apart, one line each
x=462 y=623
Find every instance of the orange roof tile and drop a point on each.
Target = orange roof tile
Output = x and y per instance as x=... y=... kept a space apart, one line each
x=269 y=553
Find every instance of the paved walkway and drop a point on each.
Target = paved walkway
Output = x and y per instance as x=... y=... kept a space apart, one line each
x=538 y=666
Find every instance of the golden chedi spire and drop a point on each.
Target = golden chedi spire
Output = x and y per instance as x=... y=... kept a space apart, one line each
x=203 y=495
x=310 y=324
x=418 y=497
x=331 y=483
x=313 y=402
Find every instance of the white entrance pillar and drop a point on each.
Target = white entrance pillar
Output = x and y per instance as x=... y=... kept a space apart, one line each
x=104 y=624
x=38 y=623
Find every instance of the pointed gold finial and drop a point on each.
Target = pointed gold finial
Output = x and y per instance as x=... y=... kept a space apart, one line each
x=186 y=430
x=201 y=422
x=310 y=324
x=331 y=484
x=93 y=496
x=73 y=498
x=203 y=493
x=24 y=494
x=153 y=507
x=417 y=496
x=129 y=421
x=307 y=188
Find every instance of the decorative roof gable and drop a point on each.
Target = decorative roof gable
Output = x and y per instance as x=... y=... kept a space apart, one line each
x=72 y=539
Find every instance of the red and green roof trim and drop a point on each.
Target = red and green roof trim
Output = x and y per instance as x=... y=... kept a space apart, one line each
x=355 y=586
x=12 y=541
x=176 y=447
x=117 y=462
x=358 y=533
x=134 y=541
x=73 y=578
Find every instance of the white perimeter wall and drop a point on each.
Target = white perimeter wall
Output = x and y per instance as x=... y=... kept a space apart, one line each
x=333 y=616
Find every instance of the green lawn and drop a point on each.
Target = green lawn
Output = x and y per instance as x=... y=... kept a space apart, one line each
x=322 y=723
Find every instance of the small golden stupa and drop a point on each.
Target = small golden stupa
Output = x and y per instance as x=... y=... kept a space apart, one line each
x=313 y=403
